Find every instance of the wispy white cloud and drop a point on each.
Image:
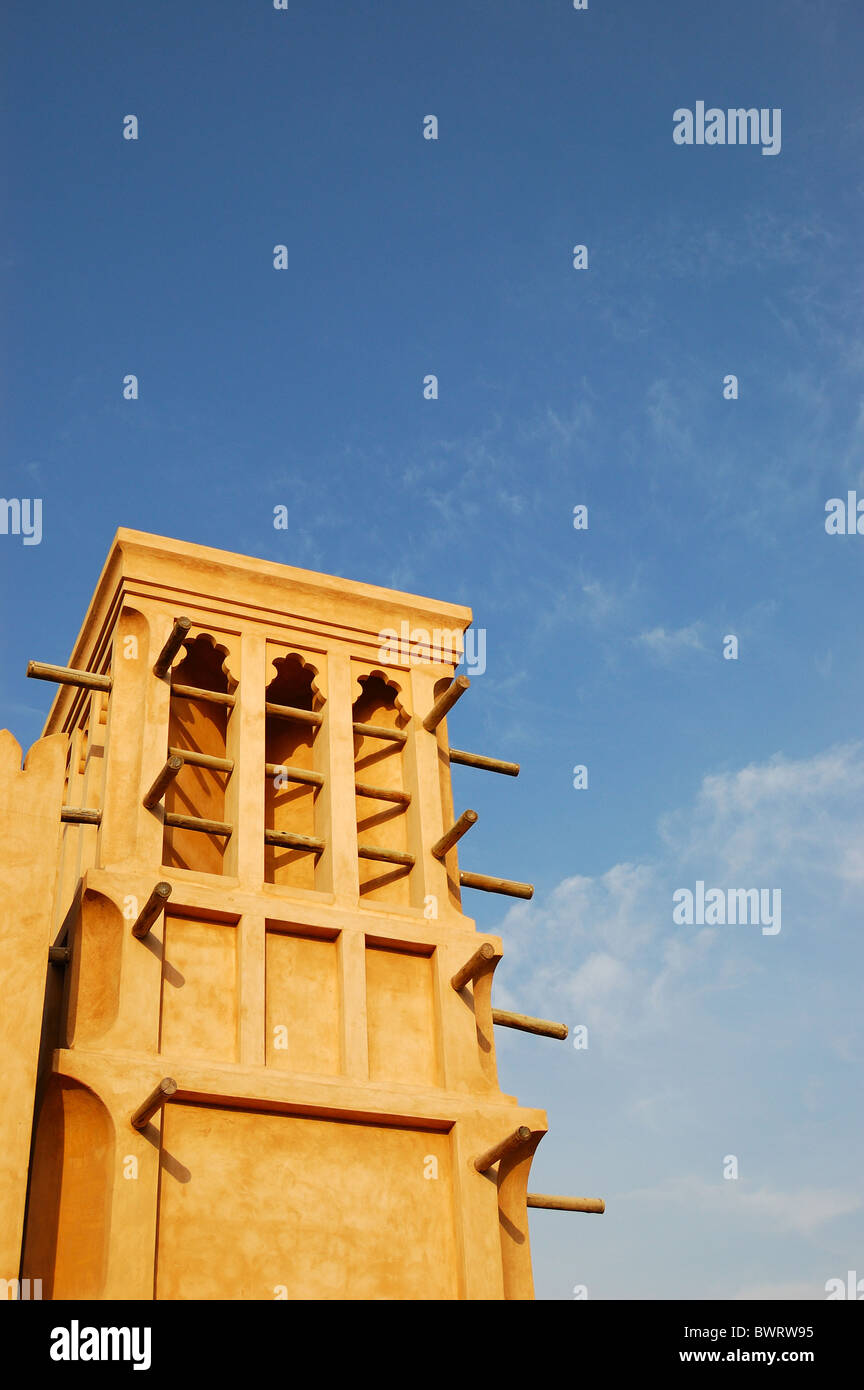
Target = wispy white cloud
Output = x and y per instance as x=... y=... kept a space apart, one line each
x=604 y=948
x=801 y=1211
x=797 y=816
x=668 y=646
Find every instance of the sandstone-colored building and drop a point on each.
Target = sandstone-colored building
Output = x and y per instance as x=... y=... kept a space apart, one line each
x=327 y=1090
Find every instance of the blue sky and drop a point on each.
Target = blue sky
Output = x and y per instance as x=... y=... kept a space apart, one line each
x=604 y=386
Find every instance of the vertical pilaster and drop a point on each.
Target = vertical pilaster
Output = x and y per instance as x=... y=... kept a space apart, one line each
x=246 y=745
x=151 y=733
x=430 y=813
x=342 y=832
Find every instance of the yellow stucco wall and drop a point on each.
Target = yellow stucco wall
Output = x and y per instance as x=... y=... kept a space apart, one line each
x=333 y=1089
x=30 y=802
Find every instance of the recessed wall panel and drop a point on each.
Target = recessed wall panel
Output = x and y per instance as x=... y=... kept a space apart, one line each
x=260 y=1206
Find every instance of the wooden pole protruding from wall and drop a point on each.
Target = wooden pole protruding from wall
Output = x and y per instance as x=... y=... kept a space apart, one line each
x=164 y=1091
x=455 y=833
x=175 y=641
x=386 y=856
x=202 y=759
x=483 y=1162
x=455 y=690
x=172 y=766
x=508 y=886
x=380 y=731
x=293 y=774
x=526 y=1024
x=285 y=839
x=381 y=794
x=303 y=716
x=543 y=1199
x=155 y=904
x=80 y=815
x=67 y=675
x=471 y=969
x=457 y=755
x=196 y=692
x=206 y=827
x=59 y=955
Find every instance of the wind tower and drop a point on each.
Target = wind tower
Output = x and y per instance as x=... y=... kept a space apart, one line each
x=251 y=1054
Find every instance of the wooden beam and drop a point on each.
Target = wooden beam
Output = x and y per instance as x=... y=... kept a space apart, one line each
x=286 y=840
x=526 y=1024
x=163 y=781
x=378 y=731
x=79 y=815
x=442 y=706
x=195 y=692
x=508 y=886
x=386 y=856
x=483 y=1162
x=202 y=759
x=455 y=833
x=67 y=675
x=59 y=955
x=156 y=1099
x=172 y=647
x=155 y=904
x=303 y=716
x=381 y=794
x=293 y=774
x=207 y=827
x=542 y=1199
x=471 y=969
x=485 y=764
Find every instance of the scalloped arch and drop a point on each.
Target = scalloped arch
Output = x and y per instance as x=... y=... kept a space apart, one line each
x=278 y=663
x=358 y=684
x=218 y=648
